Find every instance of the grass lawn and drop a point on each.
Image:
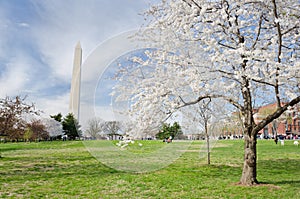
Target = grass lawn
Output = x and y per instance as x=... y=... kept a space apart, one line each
x=68 y=170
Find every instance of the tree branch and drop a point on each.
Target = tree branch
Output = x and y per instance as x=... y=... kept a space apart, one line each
x=231 y=101
x=279 y=52
x=262 y=82
x=276 y=114
x=227 y=46
x=258 y=31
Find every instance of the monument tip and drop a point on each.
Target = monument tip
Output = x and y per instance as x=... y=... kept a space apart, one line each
x=78 y=45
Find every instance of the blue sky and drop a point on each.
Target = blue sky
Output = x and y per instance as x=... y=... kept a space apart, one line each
x=106 y=82
x=38 y=37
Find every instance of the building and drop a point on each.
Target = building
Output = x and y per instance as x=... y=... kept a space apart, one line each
x=288 y=124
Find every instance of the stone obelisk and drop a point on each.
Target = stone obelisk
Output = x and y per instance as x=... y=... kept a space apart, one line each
x=74 y=105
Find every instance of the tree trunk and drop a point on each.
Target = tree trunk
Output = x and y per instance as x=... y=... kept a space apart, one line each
x=249 y=169
x=208 y=151
x=207 y=144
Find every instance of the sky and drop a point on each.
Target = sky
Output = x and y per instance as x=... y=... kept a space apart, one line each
x=37 y=41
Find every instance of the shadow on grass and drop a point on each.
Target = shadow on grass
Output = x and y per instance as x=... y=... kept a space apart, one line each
x=294 y=183
x=283 y=171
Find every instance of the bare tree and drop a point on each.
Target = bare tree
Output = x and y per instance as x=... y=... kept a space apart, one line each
x=205 y=116
x=95 y=126
x=112 y=128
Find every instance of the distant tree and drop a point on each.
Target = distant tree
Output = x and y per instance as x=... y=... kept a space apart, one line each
x=28 y=135
x=111 y=128
x=233 y=124
x=71 y=127
x=58 y=117
x=168 y=130
x=36 y=131
x=205 y=115
x=53 y=127
x=163 y=133
x=12 y=122
x=94 y=127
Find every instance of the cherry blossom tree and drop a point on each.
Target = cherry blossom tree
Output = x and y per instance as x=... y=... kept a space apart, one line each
x=53 y=127
x=241 y=51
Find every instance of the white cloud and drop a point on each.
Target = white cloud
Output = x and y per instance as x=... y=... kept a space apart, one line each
x=53 y=105
x=14 y=77
x=23 y=24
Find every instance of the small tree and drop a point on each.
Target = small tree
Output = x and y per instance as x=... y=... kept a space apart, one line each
x=28 y=135
x=94 y=127
x=111 y=128
x=71 y=127
x=205 y=116
x=168 y=130
x=12 y=122
x=36 y=130
x=53 y=127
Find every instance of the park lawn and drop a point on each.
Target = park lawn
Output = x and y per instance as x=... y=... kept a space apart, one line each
x=68 y=170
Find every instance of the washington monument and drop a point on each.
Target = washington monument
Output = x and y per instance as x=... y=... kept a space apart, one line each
x=74 y=105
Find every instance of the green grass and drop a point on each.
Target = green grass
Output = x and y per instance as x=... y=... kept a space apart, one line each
x=68 y=170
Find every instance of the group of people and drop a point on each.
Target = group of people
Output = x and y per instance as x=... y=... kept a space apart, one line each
x=168 y=140
x=288 y=137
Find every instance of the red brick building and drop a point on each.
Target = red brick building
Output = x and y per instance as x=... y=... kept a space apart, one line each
x=288 y=124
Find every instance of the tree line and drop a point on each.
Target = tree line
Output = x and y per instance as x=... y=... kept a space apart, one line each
x=19 y=122
x=100 y=129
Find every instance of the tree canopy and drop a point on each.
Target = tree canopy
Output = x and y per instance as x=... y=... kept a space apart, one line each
x=168 y=130
x=58 y=117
